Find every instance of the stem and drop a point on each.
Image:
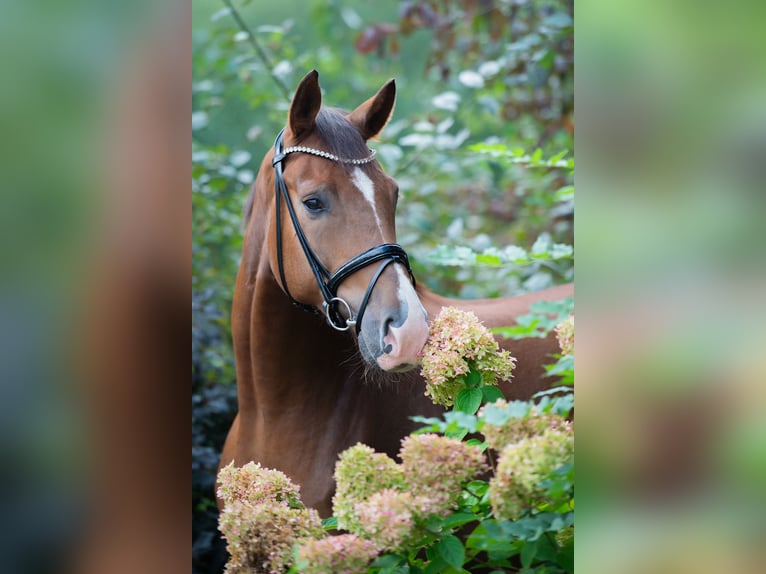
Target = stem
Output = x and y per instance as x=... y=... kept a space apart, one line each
x=491 y=460
x=264 y=57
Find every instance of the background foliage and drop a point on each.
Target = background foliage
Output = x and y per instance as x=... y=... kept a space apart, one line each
x=478 y=143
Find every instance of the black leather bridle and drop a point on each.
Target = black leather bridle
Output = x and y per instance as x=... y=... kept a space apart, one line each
x=328 y=283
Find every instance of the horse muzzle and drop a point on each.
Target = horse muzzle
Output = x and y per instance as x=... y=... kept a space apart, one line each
x=397 y=329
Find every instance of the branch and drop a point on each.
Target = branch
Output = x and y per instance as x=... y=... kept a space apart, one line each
x=264 y=57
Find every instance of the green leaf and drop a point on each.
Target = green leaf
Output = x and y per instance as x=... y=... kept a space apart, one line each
x=562 y=307
x=434 y=524
x=499 y=415
x=564 y=364
x=457 y=519
x=473 y=379
x=458 y=419
x=532 y=527
x=330 y=523
x=477 y=442
x=528 y=552
x=488 y=259
x=490 y=394
x=468 y=400
x=519 y=331
x=489 y=536
x=435 y=566
x=565 y=193
x=388 y=563
x=451 y=550
x=477 y=487
x=433 y=424
x=454 y=432
x=558 y=20
x=565 y=558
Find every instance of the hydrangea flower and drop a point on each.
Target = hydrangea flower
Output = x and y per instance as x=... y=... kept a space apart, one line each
x=435 y=467
x=565 y=335
x=388 y=520
x=388 y=503
x=262 y=518
x=359 y=473
x=518 y=428
x=260 y=537
x=256 y=484
x=457 y=343
x=522 y=466
x=342 y=554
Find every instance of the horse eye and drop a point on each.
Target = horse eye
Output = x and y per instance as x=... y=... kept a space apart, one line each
x=313 y=204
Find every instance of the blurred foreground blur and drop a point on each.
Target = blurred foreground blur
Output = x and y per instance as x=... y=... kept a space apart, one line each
x=94 y=111
x=671 y=207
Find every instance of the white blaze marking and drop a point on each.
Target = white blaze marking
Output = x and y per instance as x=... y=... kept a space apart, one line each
x=365 y=185
x=406 y=292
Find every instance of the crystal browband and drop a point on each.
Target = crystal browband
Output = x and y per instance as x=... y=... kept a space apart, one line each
x=328 y=155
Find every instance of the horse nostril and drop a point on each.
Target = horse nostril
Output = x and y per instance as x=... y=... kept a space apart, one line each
x=384 y=331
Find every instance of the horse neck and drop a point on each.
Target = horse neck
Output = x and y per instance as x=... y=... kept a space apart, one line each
x=281 y=351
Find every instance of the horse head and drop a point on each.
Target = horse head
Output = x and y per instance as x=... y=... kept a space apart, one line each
x=331 y=234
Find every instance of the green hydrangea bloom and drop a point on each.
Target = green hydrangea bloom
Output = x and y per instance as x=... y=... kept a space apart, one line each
x=522 y=466
x=360 y=473
x=565 y=335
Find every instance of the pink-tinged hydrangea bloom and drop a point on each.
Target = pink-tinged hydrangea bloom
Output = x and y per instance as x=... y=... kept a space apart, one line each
x=262 y=518
x=457 y=343
x=359 y=473
x=256 y=484
x=521 y=468
x=387 y=519
x=565 y=335
x=260 y=537
x=519 y=428
x=343 y=554
x=435 y=467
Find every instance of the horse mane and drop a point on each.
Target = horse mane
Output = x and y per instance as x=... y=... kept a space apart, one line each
x=339 y=137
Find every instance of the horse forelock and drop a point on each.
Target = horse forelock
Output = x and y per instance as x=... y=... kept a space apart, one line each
x=338 y=136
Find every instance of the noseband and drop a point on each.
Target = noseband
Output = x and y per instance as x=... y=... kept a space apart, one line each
x=328 y=283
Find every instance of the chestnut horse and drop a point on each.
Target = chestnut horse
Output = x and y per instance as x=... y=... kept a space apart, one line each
x=312 y=385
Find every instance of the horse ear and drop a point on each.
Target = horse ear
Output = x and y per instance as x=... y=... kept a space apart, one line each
x=373 y=115
x=305 y=105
